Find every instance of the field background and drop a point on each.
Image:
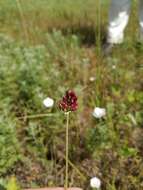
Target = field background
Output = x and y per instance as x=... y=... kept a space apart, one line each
x=36 y=17
x=47 y=47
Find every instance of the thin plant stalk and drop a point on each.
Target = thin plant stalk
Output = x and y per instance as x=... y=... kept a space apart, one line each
x=22 y=20
x=99 y=27
x=38 y=116
x=67 y=149
x=76 y=169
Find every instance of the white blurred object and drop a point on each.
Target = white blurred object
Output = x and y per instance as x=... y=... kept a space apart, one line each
x=92 y=79
x=48 y=102
x=99 y=112
x=114 y=67
x=118 y=20
x=95 y=182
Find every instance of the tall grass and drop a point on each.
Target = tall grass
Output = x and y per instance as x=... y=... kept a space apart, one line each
x=35 y=18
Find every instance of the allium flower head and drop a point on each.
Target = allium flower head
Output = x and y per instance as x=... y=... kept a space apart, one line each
x=69 y=102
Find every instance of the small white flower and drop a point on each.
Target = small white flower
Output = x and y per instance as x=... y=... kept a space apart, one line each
x=99 y=112
x=92 y=79
x=114 y=67
x=48 y=102
x=95 y=182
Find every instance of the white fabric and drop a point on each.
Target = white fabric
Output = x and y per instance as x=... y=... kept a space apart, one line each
x=141 y=19
x=118 y=20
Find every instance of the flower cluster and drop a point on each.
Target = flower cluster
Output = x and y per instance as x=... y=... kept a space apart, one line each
x=68 y=102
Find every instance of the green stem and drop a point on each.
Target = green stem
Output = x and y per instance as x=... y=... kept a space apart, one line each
x=77 y=170
x=37 y=116
x=22 y=20
x=99 y=27
x=67 y=149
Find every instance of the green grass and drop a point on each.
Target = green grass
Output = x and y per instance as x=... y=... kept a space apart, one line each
x=60 y=53
x=41 y=16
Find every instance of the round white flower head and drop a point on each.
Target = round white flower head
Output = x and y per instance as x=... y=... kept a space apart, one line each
x=99 y=112
x=48 y=102
x=95 y=182
x=92 y=79
x=114 y=67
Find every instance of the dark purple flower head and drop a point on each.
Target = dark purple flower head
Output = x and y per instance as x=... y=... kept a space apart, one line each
x=68 y=102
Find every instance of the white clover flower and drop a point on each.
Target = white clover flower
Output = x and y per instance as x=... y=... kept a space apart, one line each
x=48 y=102
x=99 y=112
x=95 y=182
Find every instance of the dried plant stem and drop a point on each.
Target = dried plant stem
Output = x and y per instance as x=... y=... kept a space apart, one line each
x=67 y=149
x=22 y=20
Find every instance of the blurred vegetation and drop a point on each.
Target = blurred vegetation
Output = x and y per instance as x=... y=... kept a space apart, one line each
x=47 y=47
x=30 y=19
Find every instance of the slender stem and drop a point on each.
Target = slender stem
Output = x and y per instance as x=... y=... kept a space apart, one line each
x=67 y=149
x=76 y=169
x=99 y=27
x=37 y=116
x=22 y=20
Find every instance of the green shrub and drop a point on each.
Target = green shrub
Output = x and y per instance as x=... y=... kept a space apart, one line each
x=9 y=145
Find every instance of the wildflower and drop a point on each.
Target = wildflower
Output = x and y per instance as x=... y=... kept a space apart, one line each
x=68 y=102
x=114 y=67
x=92 y=79
x=48 y=102
x=95 y=182
x=99 y=112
